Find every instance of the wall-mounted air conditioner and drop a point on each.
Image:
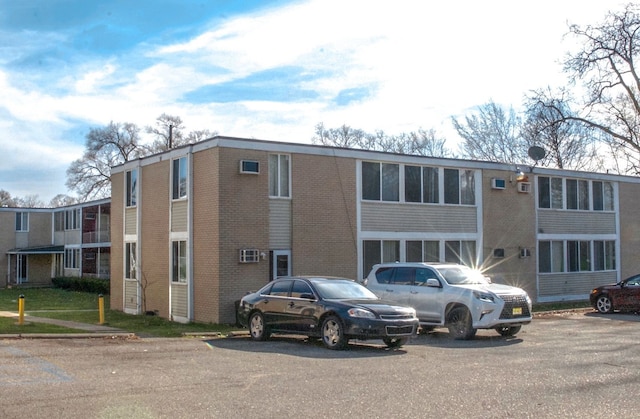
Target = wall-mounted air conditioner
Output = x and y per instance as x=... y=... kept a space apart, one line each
x=251 y=167
x=249 y=255
x=524 y=187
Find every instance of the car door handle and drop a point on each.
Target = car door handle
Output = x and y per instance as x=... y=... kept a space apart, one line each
x=389 y=290
x=291 y=304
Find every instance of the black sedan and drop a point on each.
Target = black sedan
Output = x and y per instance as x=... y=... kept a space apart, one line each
x=623 y=296
x=332 y=309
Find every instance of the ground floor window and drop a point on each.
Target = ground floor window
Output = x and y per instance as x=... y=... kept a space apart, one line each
x=452 y=251
x=179 y=261
x=576 y=255
x=130 y=261
x=22 y=269
x=72 y=258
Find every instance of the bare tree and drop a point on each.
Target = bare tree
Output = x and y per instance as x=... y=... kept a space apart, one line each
x=568 y=144
x=6 y=200
x=492 y=134
x=62 y=200
x=421 y=142
x=605 y=65
x=29 y=201
x=90 y=176
x=168 y=133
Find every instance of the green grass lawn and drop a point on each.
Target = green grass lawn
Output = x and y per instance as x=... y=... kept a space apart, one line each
x=83 y=307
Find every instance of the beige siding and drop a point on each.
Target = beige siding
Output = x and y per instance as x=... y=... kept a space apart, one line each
x=179 y=301
x=418 y=218
x=575 y=283
x=131 y=295
x=280 y=224
x=130 y=221
x=73 y=237
x=576 y=222
x=179 y=211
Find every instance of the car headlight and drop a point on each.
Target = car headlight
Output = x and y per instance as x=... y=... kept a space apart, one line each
x=484 y=296
x=360 y=312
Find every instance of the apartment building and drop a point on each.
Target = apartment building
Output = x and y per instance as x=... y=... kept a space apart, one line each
x=37 y=244
x=196 y=227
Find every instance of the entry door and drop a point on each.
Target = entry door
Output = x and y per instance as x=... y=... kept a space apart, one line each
x=281 y=261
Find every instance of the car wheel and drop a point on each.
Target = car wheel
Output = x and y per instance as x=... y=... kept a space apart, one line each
x=395 y=342
x=508 y=330
x=333 y=333
x=460 y=325
x=604 y=304
x=257 y=328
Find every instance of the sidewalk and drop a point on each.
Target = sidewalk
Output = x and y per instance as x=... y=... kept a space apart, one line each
x=88 y=330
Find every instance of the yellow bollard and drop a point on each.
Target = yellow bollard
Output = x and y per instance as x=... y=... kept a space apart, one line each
x=101 y=308
x=21 y=310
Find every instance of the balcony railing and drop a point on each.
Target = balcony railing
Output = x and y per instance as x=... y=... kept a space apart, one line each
x=103 y=236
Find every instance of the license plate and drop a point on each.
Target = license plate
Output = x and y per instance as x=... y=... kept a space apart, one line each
x=517 y=311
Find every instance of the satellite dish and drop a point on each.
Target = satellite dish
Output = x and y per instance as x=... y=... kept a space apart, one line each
x=536 y=153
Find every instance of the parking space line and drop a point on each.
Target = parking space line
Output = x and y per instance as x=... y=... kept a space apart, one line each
x=27 y=369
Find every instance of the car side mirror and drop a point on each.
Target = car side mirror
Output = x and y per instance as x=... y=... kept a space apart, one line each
x=308 y=296
x=432 y=282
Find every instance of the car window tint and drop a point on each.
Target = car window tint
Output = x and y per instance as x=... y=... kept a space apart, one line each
x=266 y=289
x=281 y=288
x=423 y=274
x=383 y=275
x=403 y=276
x=299 y=288
x=634 y=280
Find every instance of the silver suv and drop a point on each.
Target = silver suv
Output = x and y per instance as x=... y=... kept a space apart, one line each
x=454 y=296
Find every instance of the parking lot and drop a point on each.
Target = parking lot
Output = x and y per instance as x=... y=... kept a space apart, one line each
x=562 y=365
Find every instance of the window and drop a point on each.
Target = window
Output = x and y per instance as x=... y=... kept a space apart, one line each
x=463 y=252
x=604 y=255
x=179 y=183
x=459 y=187
x=602 y=196
x=72 y=219
x=550 y=192
x=72 y=258
x=380 y=251
x=130 y=261
x=578 y=256
x=551 y=256
x=421 y=184
x=380 y=181
x=58 y=221
x=577 y=194
x=423 y=251
x=179 y=261
x=132 y=188
x=279 y=175
x=300 y=288
x=22 y=221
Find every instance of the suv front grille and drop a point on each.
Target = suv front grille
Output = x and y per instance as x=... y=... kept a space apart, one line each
x=516 y=302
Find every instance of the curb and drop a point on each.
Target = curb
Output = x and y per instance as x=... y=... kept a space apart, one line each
x=119 y=335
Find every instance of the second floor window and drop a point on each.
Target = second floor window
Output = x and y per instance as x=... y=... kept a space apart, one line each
x=380 y=181
x=22 y=221
x=279 y=175
x=575 y=194
x=179 y=183
x=132 y=188
x=72 y=219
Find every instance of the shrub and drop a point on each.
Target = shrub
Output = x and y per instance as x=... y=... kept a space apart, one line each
x=93 y=285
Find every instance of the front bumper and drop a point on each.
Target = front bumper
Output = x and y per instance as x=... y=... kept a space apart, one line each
x=378 y=328
x=510 y=311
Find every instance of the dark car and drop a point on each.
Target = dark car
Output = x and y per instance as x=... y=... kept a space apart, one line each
x=623 y=296
x=332 y=309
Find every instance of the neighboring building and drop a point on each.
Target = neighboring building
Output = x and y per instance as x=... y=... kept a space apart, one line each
x=38 y=244
x=196 y=227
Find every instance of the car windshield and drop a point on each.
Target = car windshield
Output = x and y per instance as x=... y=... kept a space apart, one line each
x=343 y=290
x=462 y=275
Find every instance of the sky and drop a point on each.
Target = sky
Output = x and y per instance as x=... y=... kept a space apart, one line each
x=263 y=69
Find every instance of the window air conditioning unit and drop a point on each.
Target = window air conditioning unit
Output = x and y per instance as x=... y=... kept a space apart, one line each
x=524 y=187
x=249 y=255
x=251 y=167
x=498 y=183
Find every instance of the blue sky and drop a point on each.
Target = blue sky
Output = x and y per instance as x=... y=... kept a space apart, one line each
x=261 y=69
